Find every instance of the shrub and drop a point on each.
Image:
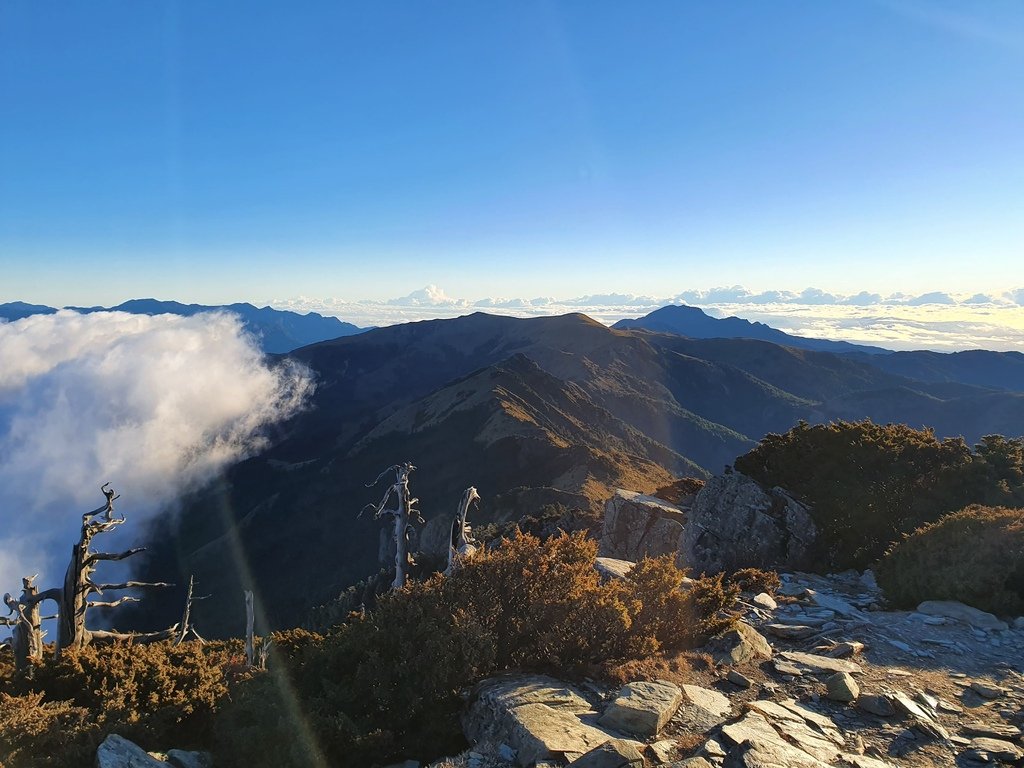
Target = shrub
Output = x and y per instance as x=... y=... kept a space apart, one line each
x=755 y=580
x=975 y=556
x=388 y=684
x=868 y=484
x=35 y=733
x=668 y=617
x=156 y=694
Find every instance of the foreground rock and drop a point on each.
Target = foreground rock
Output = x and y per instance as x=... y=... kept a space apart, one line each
x=951 y=609
x=643 y=708
x=537 y=717
x=638 y=526
x=739 y=645
x=735 y=523
x=617 y=753
x=842 y=687
x=118 y=752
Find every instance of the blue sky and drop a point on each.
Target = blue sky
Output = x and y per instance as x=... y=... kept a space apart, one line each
x=222 y=151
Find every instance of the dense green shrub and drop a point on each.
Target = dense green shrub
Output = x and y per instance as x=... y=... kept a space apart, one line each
x=869 y=484
x=975 y=556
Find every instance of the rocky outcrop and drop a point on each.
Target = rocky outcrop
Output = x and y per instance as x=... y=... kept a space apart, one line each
x=638 y=526
x=735 y=523
x=853 y=694
x=435 y=537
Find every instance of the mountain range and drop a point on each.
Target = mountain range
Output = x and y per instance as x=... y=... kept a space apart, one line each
x=695 y=323
x=278 y=331
x=550 y=412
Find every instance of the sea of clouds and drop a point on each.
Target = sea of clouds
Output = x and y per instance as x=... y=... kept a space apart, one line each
x=937 y=320
x=154 y=404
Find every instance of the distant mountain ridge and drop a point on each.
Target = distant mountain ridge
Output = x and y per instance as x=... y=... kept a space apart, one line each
x=279 y=331
x=697 y=324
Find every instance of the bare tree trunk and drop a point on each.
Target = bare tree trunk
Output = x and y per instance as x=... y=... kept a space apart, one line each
x=185 y=627
x=250 y=626
x=72 y=597
x=403 y=515
x=462 y=544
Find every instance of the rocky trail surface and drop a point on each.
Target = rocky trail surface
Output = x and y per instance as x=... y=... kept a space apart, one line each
x=818 y=675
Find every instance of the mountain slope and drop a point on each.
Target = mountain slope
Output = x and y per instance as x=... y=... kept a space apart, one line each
x=695 y=323
x=551 y=409
x=977 y=367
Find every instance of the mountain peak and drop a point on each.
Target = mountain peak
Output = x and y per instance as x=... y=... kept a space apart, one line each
x=685 y=320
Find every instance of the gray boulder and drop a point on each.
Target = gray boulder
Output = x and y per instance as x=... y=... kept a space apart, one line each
x=735 y=523
x=117 y=752
x=951 y=609
x=638 y=526
x=435 y=538
x=617 y=753
x=739 y=645
x=842 y=687
x=181 y=759
x=643 y=708
x=538 y=717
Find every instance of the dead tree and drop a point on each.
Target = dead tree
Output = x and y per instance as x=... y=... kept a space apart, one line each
x=72 y=597
x=185 y=627
x=404 y=515
x=462 y=545
x=27 y=622
x=255 y=656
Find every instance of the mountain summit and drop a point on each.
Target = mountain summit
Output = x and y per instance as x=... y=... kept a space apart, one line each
x=697 y=324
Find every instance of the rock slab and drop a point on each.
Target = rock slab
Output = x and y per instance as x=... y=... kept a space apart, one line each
x=739 y=645
x=539 y=717
x=117 y=752
x=951 y=609
x=617 y=753
x=643 y=708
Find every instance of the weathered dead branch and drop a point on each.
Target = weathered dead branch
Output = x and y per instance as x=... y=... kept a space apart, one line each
x=404 y=515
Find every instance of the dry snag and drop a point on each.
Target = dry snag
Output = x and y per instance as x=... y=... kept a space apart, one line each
x=462 y=544
x=404 y=515
x=73 y=597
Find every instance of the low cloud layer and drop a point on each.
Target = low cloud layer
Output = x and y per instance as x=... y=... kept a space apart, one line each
x=935 y=320
x=154 y=404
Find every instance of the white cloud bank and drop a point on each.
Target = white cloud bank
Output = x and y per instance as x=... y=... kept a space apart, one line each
x=936 y=320
x=154 y=404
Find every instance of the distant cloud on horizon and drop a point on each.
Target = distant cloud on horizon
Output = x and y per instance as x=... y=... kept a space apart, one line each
x=935 y=320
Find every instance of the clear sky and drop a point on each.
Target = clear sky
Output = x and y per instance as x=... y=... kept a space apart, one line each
x=242 y=150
